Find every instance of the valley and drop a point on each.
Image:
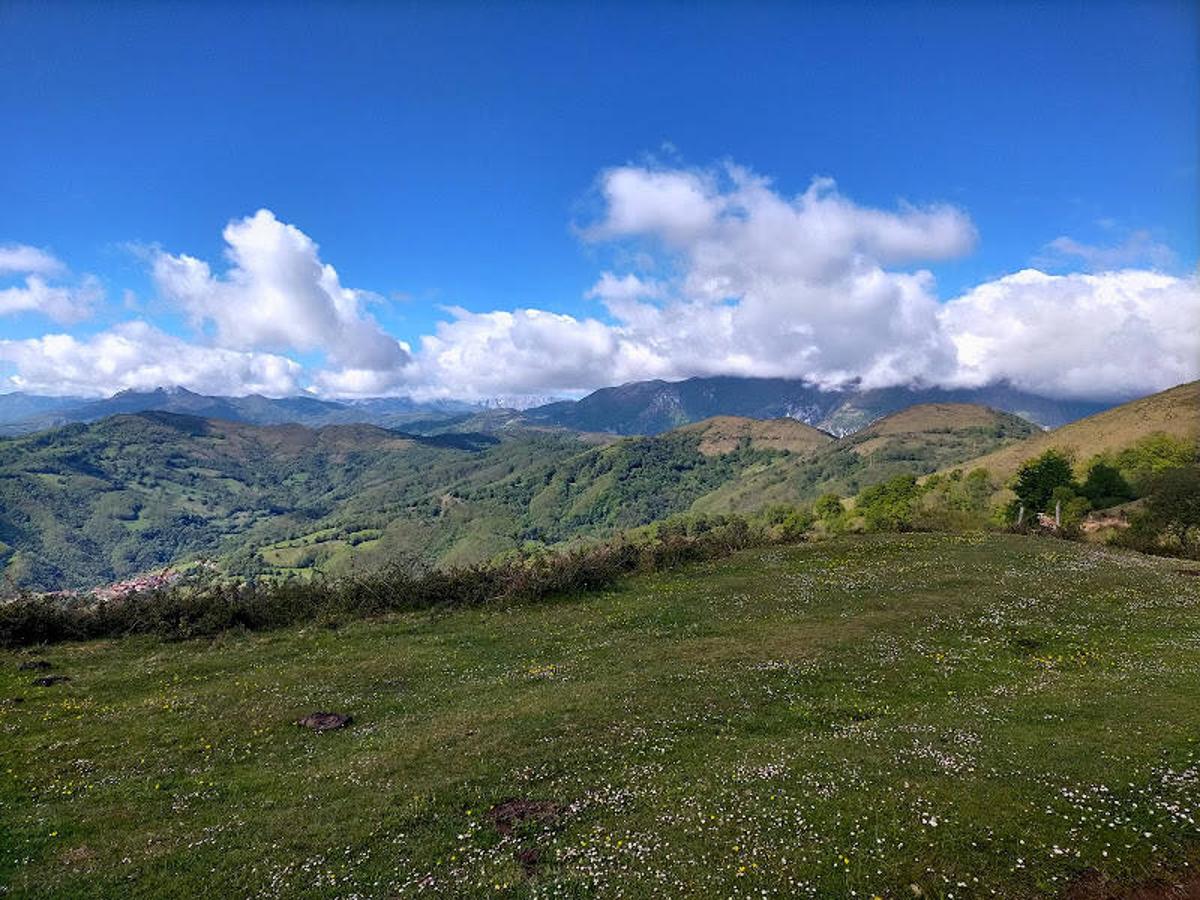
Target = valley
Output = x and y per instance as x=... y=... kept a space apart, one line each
x=87 y=504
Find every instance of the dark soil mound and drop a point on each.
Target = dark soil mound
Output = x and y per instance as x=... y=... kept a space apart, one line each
x=507 y=815
x=324 y=721
x=529 y=859
x=49 y=680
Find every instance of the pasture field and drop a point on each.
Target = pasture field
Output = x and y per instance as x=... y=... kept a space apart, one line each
x=880 y=715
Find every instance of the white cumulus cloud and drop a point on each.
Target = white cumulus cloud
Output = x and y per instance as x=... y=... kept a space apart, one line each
x=137 y=355
x=23 y=259
x=278 y=295
x=761 y=284
x=713 y=272
x=62 y=303
x=521 y=351
x=1112 y=334
x=816 y=286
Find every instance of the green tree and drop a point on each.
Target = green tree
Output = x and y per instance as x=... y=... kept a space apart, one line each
x=1105 y=486
x=1038 y=477
x=977 y=488
x=1154 y=453
x=787 y=521
x=1173 y=505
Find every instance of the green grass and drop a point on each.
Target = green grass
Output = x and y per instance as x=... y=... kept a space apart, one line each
x=974 y=715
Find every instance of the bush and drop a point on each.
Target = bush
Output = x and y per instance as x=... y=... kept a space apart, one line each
x=195 y=610
x=955 y=502
x=889 y=506
x=788 y=523
x=1153 y=454
x=828 y=509
x=1170 y=521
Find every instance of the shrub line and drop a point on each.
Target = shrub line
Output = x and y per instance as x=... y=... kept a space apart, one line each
x=179 y=612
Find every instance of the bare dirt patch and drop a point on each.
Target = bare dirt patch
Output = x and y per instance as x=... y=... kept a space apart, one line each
x=78 y=856
x=324 y=721
x=507 y=815
x=1092 y=885
x=529 y=860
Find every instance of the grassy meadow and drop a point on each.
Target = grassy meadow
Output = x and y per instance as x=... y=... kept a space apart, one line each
x=878 y=715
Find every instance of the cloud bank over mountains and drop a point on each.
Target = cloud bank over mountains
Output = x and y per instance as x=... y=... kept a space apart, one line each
x=722 y=274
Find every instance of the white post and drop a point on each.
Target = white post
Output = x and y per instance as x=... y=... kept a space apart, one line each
x=1058 y=514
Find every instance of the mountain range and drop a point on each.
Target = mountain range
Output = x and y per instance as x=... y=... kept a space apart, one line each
x=650 y=407
x=638 y=408
x=23 y=413
x=91 y=502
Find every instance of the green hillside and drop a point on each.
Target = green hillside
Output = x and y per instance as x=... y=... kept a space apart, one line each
x=88 y=504
x=1174 y=412
x=973 y=716
x=724 y=434
x=917 y=440
x=85 y=504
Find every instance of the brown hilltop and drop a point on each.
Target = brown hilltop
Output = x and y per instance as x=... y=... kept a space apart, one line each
x=724 y=434
x=1175 y=411
x=933 y=418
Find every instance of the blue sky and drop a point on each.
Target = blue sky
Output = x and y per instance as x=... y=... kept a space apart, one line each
x=449 y=154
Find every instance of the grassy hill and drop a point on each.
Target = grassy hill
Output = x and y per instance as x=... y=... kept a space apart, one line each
x=1175 y=412
x=85 y=504
x=724 y=434
x=917 y=440
x=993 y=715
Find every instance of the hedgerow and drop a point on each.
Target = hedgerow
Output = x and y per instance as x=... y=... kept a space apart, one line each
x=197 y=609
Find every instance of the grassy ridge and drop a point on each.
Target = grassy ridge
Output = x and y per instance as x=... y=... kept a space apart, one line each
x=84 y=505
x=1175 y=412
x=724 y=434
x=974 y=715
x=915 y=441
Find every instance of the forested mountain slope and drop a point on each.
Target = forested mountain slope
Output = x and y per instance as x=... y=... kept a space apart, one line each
x=86 y=504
